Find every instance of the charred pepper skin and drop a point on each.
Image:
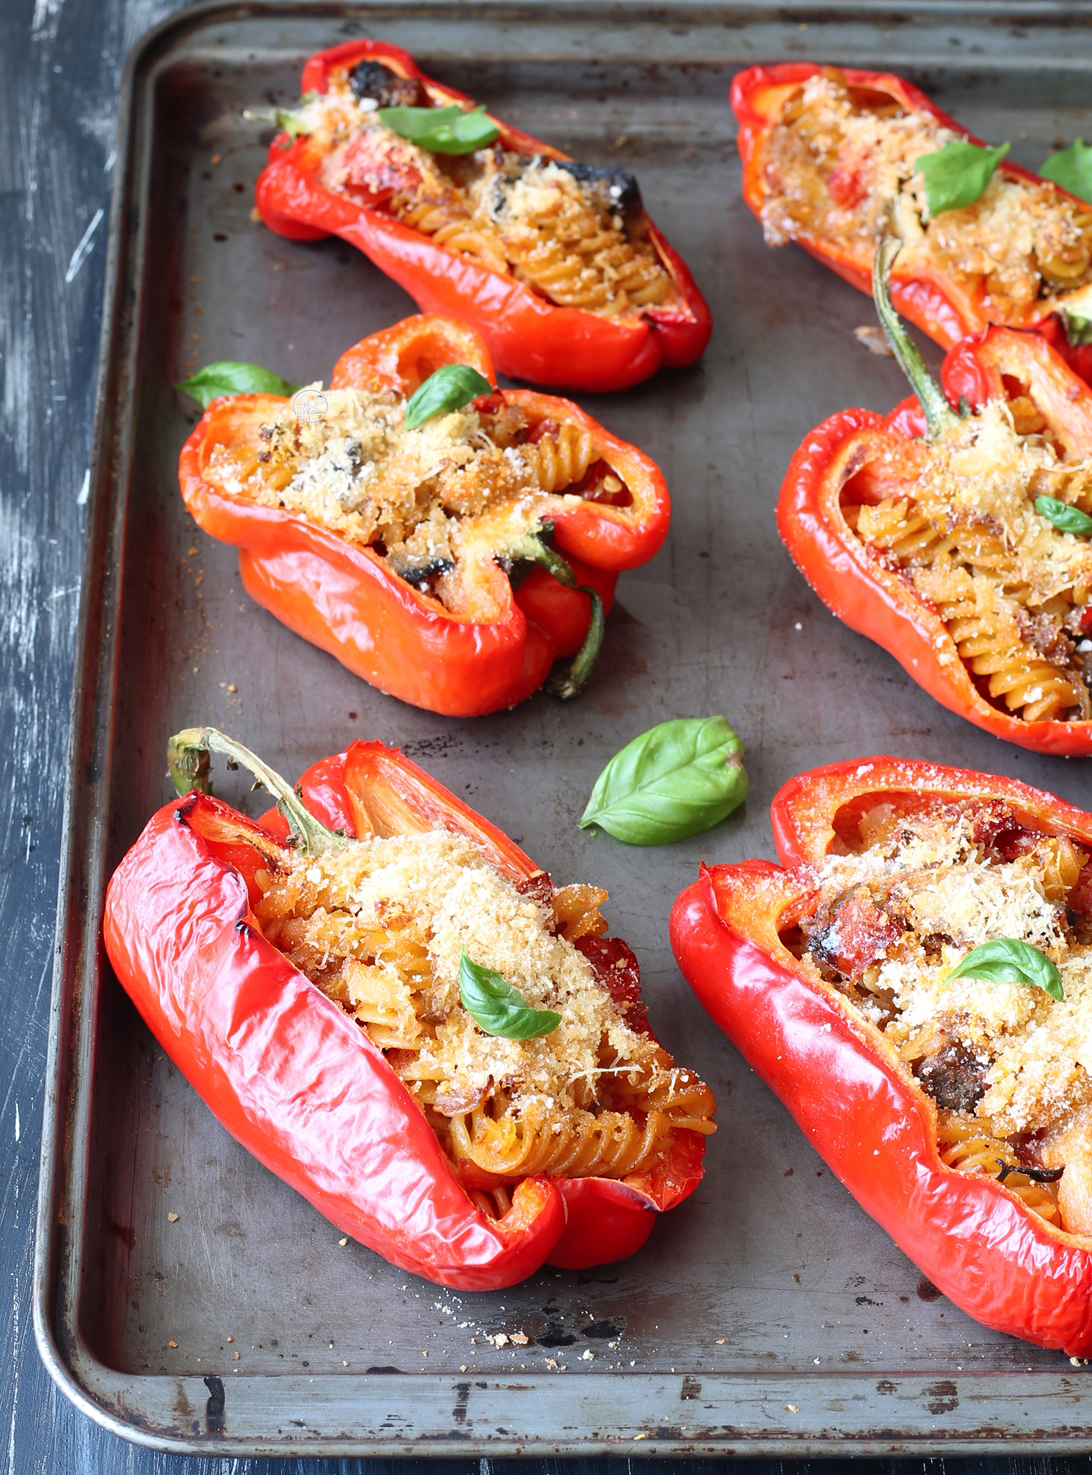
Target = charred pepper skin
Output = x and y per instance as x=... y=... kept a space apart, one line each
x=300 y=1085
x=529 y=338
x=931 y=299
x=346 y=600
x=875 y=600
x=851 y=1095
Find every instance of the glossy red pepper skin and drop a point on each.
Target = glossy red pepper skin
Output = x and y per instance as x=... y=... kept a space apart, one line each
x=874 y=599
x=855 y=1100
x=346 y=600
x=932 y=299
x=300 y=1085
x=528 y=337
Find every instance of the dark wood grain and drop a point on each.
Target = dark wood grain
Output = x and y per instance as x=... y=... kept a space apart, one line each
x=60 y=72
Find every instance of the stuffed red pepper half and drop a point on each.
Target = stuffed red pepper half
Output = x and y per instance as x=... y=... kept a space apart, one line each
x=395 y=1011
x=960 y=540
x=831 y=160
x=555 y=263
x=916 y=986
x=396 y=549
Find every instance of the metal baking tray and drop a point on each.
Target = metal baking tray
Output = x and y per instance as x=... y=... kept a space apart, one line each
x=768 y=1315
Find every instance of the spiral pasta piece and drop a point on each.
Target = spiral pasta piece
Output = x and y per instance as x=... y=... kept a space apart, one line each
x=560 y=457
x=966 y=1148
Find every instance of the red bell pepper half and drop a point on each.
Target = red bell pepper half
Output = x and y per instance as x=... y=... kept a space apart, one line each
x=945 y=305
x=529 y=337
x=295 y=1079
x=346 y=598
x=842 y=1079
x=858 y=458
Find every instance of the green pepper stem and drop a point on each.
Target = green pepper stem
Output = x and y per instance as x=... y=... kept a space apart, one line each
x=188 y=761
x=939 y=415
x=566 y=681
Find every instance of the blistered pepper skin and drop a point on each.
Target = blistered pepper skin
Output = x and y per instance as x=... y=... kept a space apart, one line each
x=299 y=1084
x=934 y=300
x=843 y=1082
x=529 y=338
x=875 y=599
x=346 y=600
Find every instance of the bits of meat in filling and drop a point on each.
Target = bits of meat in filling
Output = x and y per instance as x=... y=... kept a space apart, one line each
x=839 y=167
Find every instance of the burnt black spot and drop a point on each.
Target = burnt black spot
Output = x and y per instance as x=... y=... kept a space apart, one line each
x=368 y=1370
x=605 y=1329
x=942 y=1398
x=214 y=1408
x=458 y=1413
x=613 y=189
x=885 y=1385
x=373 y=79
x=420 y=575
x=927 y=1291
x=691 y=1388
x=953 y=1078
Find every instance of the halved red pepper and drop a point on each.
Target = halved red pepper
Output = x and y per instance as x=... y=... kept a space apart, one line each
x=850 y=1092
x=346 y=599
x=529 y=337
x=945 y=308
x=859 y=456
x=296 y=1080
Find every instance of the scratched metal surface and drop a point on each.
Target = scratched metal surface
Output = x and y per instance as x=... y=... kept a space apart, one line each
x=768 y=1316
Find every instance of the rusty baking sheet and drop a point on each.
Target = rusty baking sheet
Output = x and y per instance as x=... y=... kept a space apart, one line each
x=768 y=1315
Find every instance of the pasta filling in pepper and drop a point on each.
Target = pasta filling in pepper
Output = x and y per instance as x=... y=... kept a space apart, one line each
x=1012 y=589
x=380 y=926
x=575 y=234
x=917 y=885
x=840 y=165
x=460 y=489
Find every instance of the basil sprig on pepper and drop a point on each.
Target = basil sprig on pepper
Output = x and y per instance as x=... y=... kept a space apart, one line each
x=1065 y=518
x=676 y=780
x=499 y=1009
x=957 y=175
x=447 y=130
x=1007 y=960
x=227 y=377
x=1071 y=169
x=450 y=388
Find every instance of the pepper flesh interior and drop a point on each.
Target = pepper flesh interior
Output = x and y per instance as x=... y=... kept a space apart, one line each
x=379 y=927
x=434 y=502
x=839 y=166
x=575 y=235
x=956 y=518
x=917 y=883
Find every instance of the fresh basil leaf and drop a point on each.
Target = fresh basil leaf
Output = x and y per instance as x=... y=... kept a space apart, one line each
x=957 y=174
x=674 y=781
x=1008 y=961
x=1077 y=329
x=298 y=120
x=216 y=380
x=450 y=388
x=447 y=130
x=1072 y=169
x=498 y=1008
x=1065 y=518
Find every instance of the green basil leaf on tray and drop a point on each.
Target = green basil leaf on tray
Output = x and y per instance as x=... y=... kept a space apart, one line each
x=1065 y=518
x=1007 y=960
x=498 y=1008
x=216 y=380
x=957 y=174
x=447 y=130
x=676 y=780
x=450 y=388
x=1071 y=169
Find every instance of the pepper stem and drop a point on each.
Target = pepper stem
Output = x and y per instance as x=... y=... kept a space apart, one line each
x=567 y=681
x=939 y=415
x=188 y=760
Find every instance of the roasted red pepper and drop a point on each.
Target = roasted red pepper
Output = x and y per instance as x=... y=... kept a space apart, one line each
x=498 y=646
x=945 y=303
x=843 y=1080
x=296 y=1080
x=857 y=461
x=529 y=336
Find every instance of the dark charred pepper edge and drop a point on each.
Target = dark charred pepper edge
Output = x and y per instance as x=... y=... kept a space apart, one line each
x=931 y=300
x=292 y=1077
x=529 y=338
x=843 y=1080
x=877 y=601
x=388 y=629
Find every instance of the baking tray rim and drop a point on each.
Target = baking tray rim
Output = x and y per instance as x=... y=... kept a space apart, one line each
x=84 y=1379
